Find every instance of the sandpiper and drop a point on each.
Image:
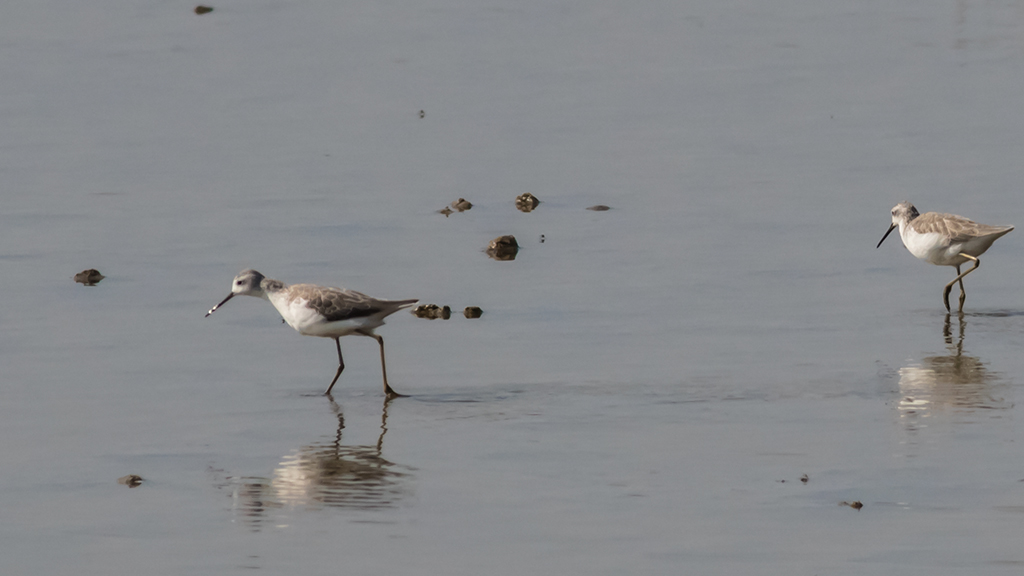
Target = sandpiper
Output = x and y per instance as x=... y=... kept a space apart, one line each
x=944 y=240
x=322 y=311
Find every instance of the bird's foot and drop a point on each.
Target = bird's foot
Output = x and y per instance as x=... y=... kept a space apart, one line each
x=390 y=394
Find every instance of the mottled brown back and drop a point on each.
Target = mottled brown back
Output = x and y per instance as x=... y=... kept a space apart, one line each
x=338 y=304
x=956 y=228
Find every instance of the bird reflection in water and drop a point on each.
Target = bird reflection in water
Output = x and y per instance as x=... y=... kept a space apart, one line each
x=322 y=475
x=954 y=381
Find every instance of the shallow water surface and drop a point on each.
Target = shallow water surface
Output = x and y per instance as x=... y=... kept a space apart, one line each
x=646 y=386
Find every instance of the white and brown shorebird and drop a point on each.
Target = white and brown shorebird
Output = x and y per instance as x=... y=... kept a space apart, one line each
x=322 y=311
x=944 y=240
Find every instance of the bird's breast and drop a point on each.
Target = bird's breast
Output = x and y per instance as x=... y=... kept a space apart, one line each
x=296 y=312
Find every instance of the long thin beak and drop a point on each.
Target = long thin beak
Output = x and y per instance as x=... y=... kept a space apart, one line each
x=876 y=247
x=232 y=295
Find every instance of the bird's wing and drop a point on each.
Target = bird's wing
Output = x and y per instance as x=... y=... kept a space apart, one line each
x=338 y=304
x=954 y=228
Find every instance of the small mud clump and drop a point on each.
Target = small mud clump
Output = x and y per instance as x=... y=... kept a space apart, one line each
x=432 y=312
x=503 y=248
x=203 y=10
x=856 y=505
x=526 y=202
x=472 y=312
x=131 y=480
x=90 y=277
x=462 y=204
x=599 y=208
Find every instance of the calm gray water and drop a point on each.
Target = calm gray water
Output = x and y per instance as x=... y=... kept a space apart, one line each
x=646 y=386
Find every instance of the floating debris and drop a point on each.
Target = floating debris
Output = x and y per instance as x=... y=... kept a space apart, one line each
x=423 y=114
x=131 y=480
x=203 y=10
x=472 y=312
x=526 y=202
x=599 y=208
x=541 y=238
x=462 y=204
x=507 y=240
x=503 y=248
x=856 y=505
x=804 y=478
x=432 y=312
x=90 y=277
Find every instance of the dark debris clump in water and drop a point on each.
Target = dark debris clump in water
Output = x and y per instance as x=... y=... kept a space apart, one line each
x=503 y=248
x=90 y=277
x=131 y=480
x=203 y=9
x=432 y=312
x=461 y=205
x=473 y=312
x=599 y=208
x=856 y=504
x=526 y=202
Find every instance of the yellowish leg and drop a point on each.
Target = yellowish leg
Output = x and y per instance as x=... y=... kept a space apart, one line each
x=388 y=392
x=959 y=278
x=963 y=295
x=341 y=366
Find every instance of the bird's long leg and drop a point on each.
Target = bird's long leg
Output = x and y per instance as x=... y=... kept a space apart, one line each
x=388 y=392
x=959 y=278
x=963 y=294
x=341 y=366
